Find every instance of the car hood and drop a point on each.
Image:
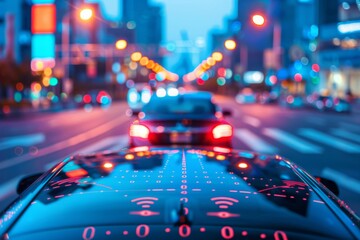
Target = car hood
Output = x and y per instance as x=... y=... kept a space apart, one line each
x=174 y=187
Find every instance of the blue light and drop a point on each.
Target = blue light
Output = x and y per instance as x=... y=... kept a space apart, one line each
x=116 y=67
x=53 y=81
x=17 y=97
x=43 y=46
x=205 y=76
x=120 y=78
x=298 y=65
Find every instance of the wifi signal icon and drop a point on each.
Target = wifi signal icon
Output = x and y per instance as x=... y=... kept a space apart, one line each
x=224 y=202
x=145 y=202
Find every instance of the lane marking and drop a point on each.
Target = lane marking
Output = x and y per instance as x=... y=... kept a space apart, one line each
x=342 y=179
x=292 y=141
x=252 y=121
x=95 y=147
x=82 y=137
x=345 y=134
x=329 y=140
x=253 y=141
x=24 y=140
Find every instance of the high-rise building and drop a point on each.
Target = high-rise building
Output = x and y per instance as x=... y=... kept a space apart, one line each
x=15 y=33
x=146 y=22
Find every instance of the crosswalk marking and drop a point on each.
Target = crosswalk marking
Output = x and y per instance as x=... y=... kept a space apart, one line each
x=342 y=179
x=253 y=141
x=110 y=143
x=345 y=134
x=292 y=141
x=251 y=121
x=82 y=137
x=329 y=140
x=24 y=140
x=350 y=126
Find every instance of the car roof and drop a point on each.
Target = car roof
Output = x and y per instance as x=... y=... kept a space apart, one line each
x=167 y=190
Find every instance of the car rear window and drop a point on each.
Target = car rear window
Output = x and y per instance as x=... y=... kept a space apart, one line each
x=179 y=105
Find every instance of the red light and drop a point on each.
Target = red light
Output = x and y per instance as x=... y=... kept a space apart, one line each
x=87 y=98
x=223 y=130
x=290 y=99
x=221 y=72
x=315 y=67
x=273 y=79
x=200 y=81
x=298 y=77
x=139 y=131
x=152 y=76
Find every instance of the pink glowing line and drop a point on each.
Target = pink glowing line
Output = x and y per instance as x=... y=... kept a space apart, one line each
x=145 y=202
x=223 y=206
x=145 y=213
x=144 y=198
x=247 y=192
x=317 y=201
x=224 y=198
x=145 y=206
x=222 y=214
x=224 y=202
x=280 y=195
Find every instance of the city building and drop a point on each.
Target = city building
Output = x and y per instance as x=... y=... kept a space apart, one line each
x=338 y=47
x=15 y=30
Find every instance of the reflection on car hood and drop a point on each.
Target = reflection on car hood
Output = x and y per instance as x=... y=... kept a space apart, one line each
x=180 y=187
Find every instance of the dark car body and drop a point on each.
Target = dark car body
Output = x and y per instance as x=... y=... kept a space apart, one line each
x=187 y=118
x=328 y=103
x=175 y=193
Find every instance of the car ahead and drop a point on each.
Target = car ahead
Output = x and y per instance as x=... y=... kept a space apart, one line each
x=175 y=193
x=328 y=103
x=292 y=101
x=186 y=118
x=246 y=95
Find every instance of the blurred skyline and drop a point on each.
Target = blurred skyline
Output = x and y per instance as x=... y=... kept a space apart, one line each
x=182 y=15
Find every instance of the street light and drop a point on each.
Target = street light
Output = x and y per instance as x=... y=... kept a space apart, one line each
x=230 y=44
x=121 y=44
x=259 y=20
x=84 y=14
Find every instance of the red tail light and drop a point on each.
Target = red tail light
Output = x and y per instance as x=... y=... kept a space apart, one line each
x=223 y=130
x=139 y=131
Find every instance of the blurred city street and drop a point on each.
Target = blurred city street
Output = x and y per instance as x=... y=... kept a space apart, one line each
x=277 y=77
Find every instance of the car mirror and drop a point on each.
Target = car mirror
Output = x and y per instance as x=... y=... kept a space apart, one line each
x=226 y=113
x=330 y=184
x=26 y=182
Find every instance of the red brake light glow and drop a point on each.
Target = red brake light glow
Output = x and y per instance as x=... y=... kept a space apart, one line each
x=139 y=131
x=223 y=130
